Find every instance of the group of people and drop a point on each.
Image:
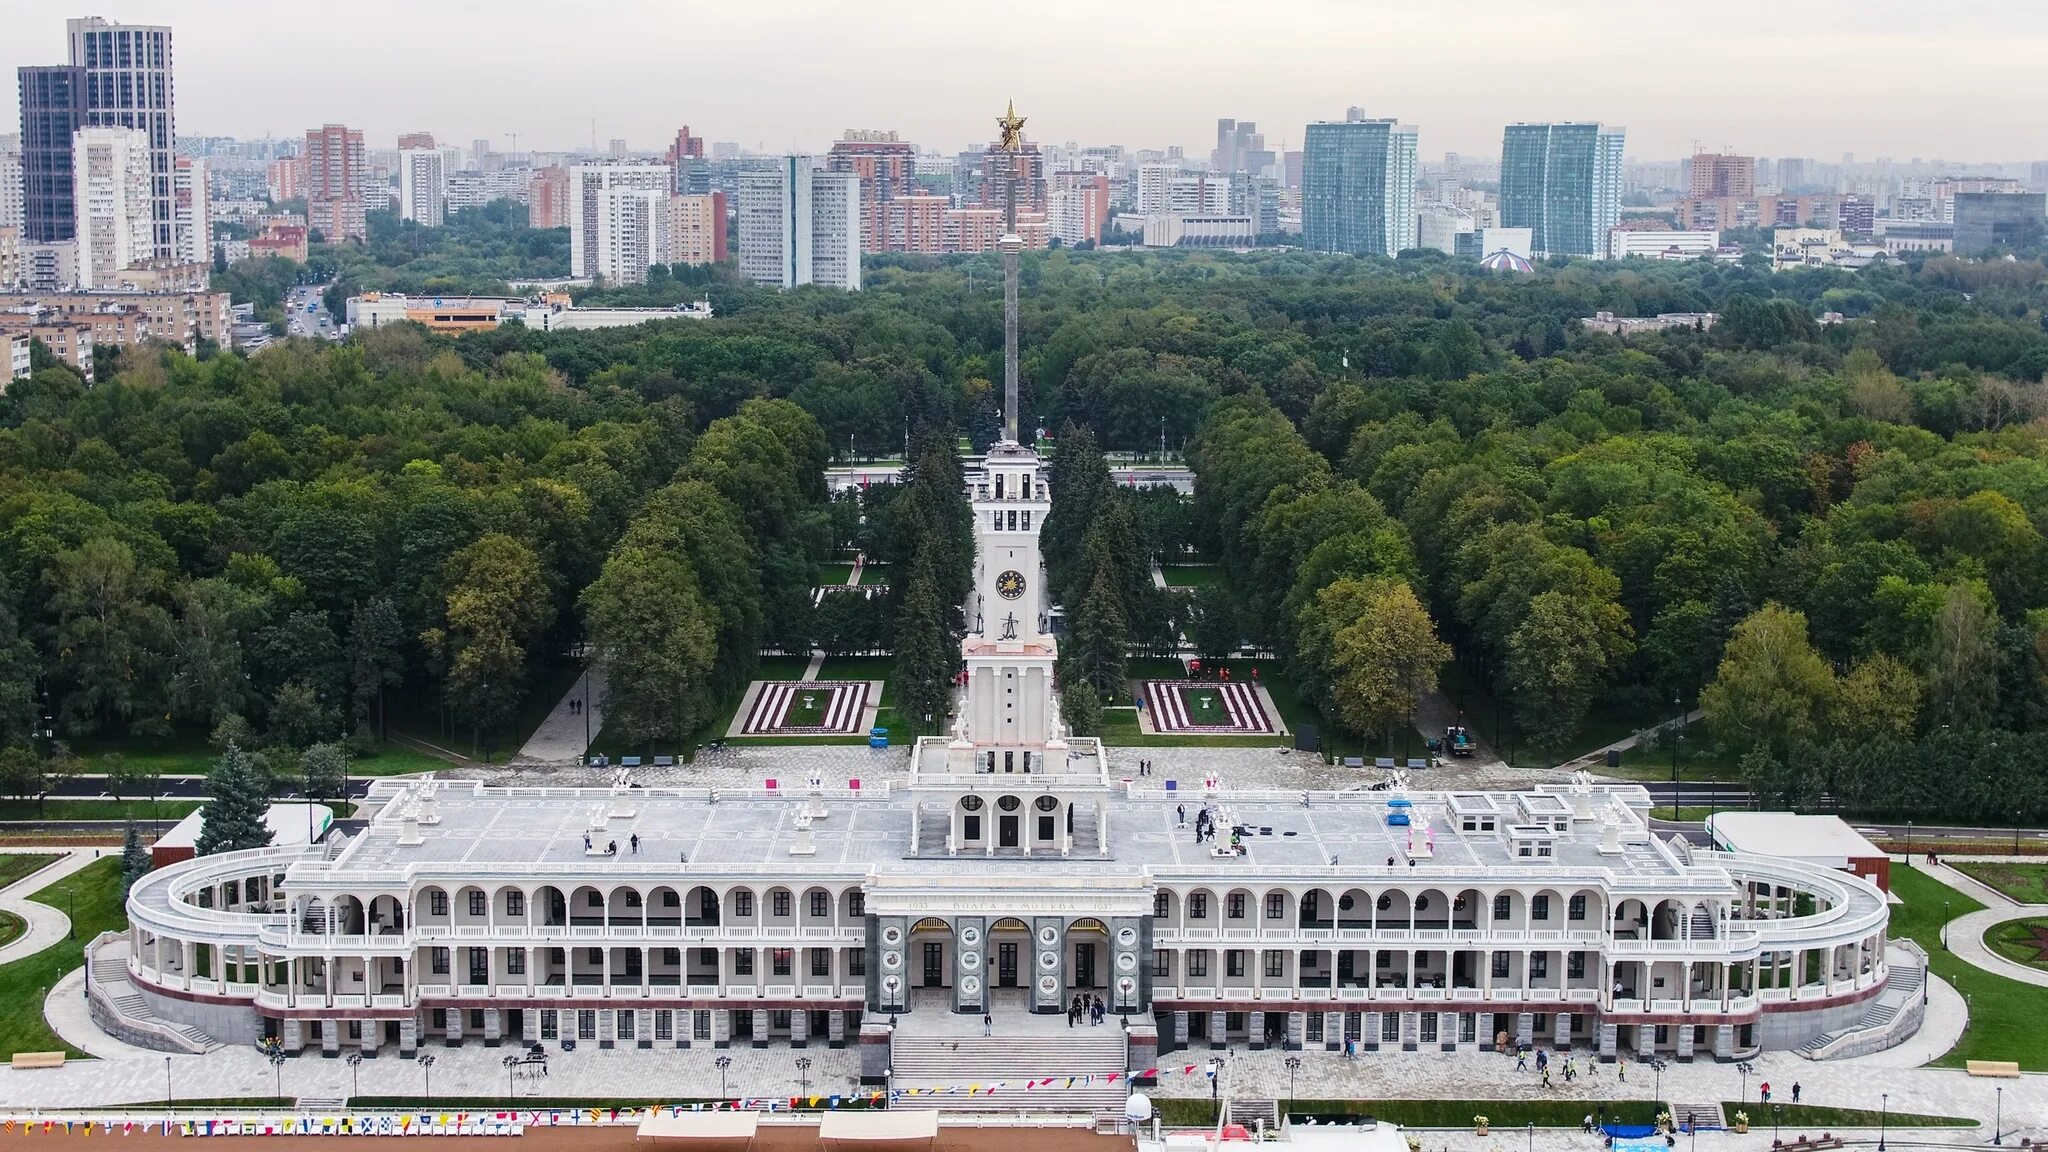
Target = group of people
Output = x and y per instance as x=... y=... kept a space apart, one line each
x=611 y=847
x=1570 y=1069
x=575 y=707
x=1082 y=1003
x=1145 y=767
x=1763 y=1092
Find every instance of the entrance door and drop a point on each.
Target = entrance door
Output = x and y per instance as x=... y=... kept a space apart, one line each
x=1006 y=965
x=1006 y=832
x=934 y=965
x=1084 y=964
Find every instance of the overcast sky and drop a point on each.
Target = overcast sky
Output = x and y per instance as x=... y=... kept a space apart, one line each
x=1960 y=80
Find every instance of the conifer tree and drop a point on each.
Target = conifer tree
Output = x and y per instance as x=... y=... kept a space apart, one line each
x=233 y=818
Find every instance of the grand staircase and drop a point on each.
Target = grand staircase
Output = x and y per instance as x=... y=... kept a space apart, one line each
x=1902 y=991
x=110 y=991
x=1014 y=1060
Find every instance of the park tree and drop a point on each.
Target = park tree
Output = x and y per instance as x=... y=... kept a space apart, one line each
x=1099 y=638
x=232 y=819
x=1080 y=707
x=299 y=716
x=19 y=670
x=1378 y=648
x=1557 y=657
x=210 y=681
x=924 y=665
x=376 y=657
x=1881 y=696
x=111 y=636
x=134 y=858
x=656 y=638
x=1961 y=660
x=497 y=607
x=323 y=771
x=1771 y=688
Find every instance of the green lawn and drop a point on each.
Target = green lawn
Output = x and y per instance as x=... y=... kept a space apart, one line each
x=11 y=928
x=419 y=716
x=832 y=575
x=1295 y=711
x=92 y=897
x=2025 y=883
x=1815 y=1118
x=2002 y=1012
x=190 y=755
x=1501 y=1115
x=16 y=865
x=782 y=667
x=1191 y=575
x=68 y=809
x=874 y=573
x=807 y=709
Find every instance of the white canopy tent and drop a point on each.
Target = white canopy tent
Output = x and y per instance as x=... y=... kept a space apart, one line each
x=879 y=1131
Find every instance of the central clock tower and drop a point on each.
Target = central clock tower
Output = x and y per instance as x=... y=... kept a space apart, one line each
x=1009 y=650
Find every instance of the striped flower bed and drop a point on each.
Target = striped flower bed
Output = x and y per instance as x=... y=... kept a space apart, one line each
x=1241 y=710
x=843 y=702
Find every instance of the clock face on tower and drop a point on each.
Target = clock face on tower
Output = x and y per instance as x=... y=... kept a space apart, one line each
x=1010 y=585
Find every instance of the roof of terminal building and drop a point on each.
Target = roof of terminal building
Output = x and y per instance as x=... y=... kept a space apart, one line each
x=488 y=831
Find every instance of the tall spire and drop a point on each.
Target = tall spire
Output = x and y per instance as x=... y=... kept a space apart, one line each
x=1011 y=145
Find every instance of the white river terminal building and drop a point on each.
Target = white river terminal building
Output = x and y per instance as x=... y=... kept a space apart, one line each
x=1007 y=873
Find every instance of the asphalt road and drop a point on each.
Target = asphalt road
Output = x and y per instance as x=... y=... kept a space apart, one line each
x=177 y=788
x=316 y=324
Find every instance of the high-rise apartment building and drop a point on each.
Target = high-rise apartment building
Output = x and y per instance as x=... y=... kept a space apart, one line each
x=285 y=178
x=115 y=225
x=887 y=168
x=52 y=112
x=685 y=146
x=1563 y=183
x=799 y=225
x=547 y=198
x=586 y=208
x=1716 y=175
x=191 y=210
x=1358 y=187
x=422 y=187
x=126 y=69
x=337 y=175
x=1077 y=206
x=697 y=229
x=1024 y=168
x=10 y=184
x=410 y=140
x=632 y=232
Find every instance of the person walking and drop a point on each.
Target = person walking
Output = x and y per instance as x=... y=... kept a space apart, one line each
x=634 y=840
x=1764 y=1092
x=1521 y=1060
x=1180 y=813
x=1101 y=1010
x=988 y=1024
x=1795 y=1091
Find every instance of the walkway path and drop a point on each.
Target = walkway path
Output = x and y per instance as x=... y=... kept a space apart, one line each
x=561 y=738
x=46 y=925
x=1597 y=758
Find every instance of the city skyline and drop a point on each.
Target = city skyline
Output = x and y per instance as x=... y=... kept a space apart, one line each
x=1864 y=85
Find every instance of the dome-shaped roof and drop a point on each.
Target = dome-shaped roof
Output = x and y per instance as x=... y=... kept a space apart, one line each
x=1503 y=260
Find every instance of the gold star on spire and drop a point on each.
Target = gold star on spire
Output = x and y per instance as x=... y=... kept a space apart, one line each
x=1012 y=127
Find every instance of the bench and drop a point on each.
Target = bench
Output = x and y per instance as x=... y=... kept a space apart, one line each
x=2009 y=1069
x=38 y=1060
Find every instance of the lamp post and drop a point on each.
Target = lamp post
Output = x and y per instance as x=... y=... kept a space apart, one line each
x=355 y=1074
x=1745 y=1067
x=2015 y=831
x=586 y=713
x=426 y=1063
x=1532 y=1136
x=1677 y=702
x=1883 y=1111
x=1909 y=843
x=509 y=1061
x=167 y=1083
x=1657 y=1066
x=277 y=1073
x=803 y=1076
x=1998 y=1116
x=1774 y=1125
x=722 y=1063
x=1293 y=1065
x=1944 y=925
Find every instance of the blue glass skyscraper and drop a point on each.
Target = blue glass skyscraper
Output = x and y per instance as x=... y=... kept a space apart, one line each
x=1563 y=183
x=1358 y=187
